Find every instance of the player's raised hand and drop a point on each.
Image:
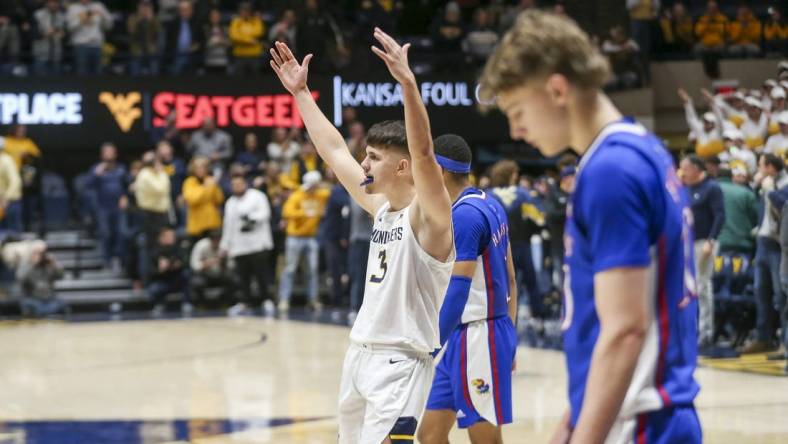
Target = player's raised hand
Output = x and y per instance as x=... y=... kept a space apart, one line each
x=395 y=56
x=290 y=72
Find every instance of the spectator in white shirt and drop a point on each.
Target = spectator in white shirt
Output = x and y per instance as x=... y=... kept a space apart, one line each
x=283 y=147
x=778 y=143
x=87 y=22
x=247 y=239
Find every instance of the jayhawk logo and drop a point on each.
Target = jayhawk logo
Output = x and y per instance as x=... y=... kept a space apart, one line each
x=481 y=386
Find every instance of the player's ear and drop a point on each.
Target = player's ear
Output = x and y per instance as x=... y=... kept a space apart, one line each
x=403 y=166
x=557 y=87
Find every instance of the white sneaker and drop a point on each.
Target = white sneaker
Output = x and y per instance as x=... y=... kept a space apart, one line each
x=351 y=318
x=268 y=307
x=236 y=310
x=187 y=309
x=284 y=305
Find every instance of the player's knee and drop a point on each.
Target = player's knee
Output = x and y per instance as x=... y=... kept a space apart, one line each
x=430 y=436
x=404 y=431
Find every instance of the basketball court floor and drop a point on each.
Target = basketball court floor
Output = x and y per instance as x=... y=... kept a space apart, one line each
x=218 y=380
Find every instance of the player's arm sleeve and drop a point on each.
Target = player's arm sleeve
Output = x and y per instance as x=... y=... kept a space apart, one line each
x=470 y=229
x=615 y=208
x=453 y=305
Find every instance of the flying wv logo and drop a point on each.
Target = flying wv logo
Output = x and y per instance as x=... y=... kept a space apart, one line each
x=123 y=108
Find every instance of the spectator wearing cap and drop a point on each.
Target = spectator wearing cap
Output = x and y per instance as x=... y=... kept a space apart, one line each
x=776 y=105
x=741 y=212
x=303 y=212
x=247 y=240
x=775 y=33
x=736 y=152
x=88 y=20
x=246 y=33
x=768 y=288
x=732 y=107
x=778 y=143
x=756 y=126
x=210 y=267
x=144 y=31
x=50 y=25
x=707 y=132
x=203 y=199
x=708 y=211
x=766 y=90
x=10 y=193
x=744 y=34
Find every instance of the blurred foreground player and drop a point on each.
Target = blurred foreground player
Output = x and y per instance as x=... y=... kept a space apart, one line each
x=630 y=310
x=388 y=368
x=473 y=380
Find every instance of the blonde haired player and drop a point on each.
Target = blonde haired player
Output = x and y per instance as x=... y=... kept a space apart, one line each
x=388 y=368
x=630 y=312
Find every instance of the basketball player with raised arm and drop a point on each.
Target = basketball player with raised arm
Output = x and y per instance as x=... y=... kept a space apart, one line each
x=473 y=380
x=388 y=368
x=630 y=309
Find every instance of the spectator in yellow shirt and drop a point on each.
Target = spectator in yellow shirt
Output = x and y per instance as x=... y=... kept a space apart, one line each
x=677 y=29
x=10 y=193
x=710 y=30
x=246 y=34
x=303 y=211
x=744 y=34
x=26 y=155
x=307 y=161
x=775 y=33
x=203 y=198
x=20 y=147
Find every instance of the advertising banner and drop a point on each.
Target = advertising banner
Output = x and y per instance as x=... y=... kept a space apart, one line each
x=81 y=113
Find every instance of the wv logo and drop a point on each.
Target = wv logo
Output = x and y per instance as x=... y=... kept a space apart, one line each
x=124 y=108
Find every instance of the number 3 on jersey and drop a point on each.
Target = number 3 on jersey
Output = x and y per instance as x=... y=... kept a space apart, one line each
x=375 y=279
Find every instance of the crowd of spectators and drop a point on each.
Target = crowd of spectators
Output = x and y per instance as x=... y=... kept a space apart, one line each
x=738 y=186
x=180 y=37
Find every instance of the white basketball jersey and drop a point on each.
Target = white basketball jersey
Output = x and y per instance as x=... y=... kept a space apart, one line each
x=404 y=289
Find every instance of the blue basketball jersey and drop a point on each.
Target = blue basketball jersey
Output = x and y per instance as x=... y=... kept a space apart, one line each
x=629 y=209
x=474 y=377
x=481 y=234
